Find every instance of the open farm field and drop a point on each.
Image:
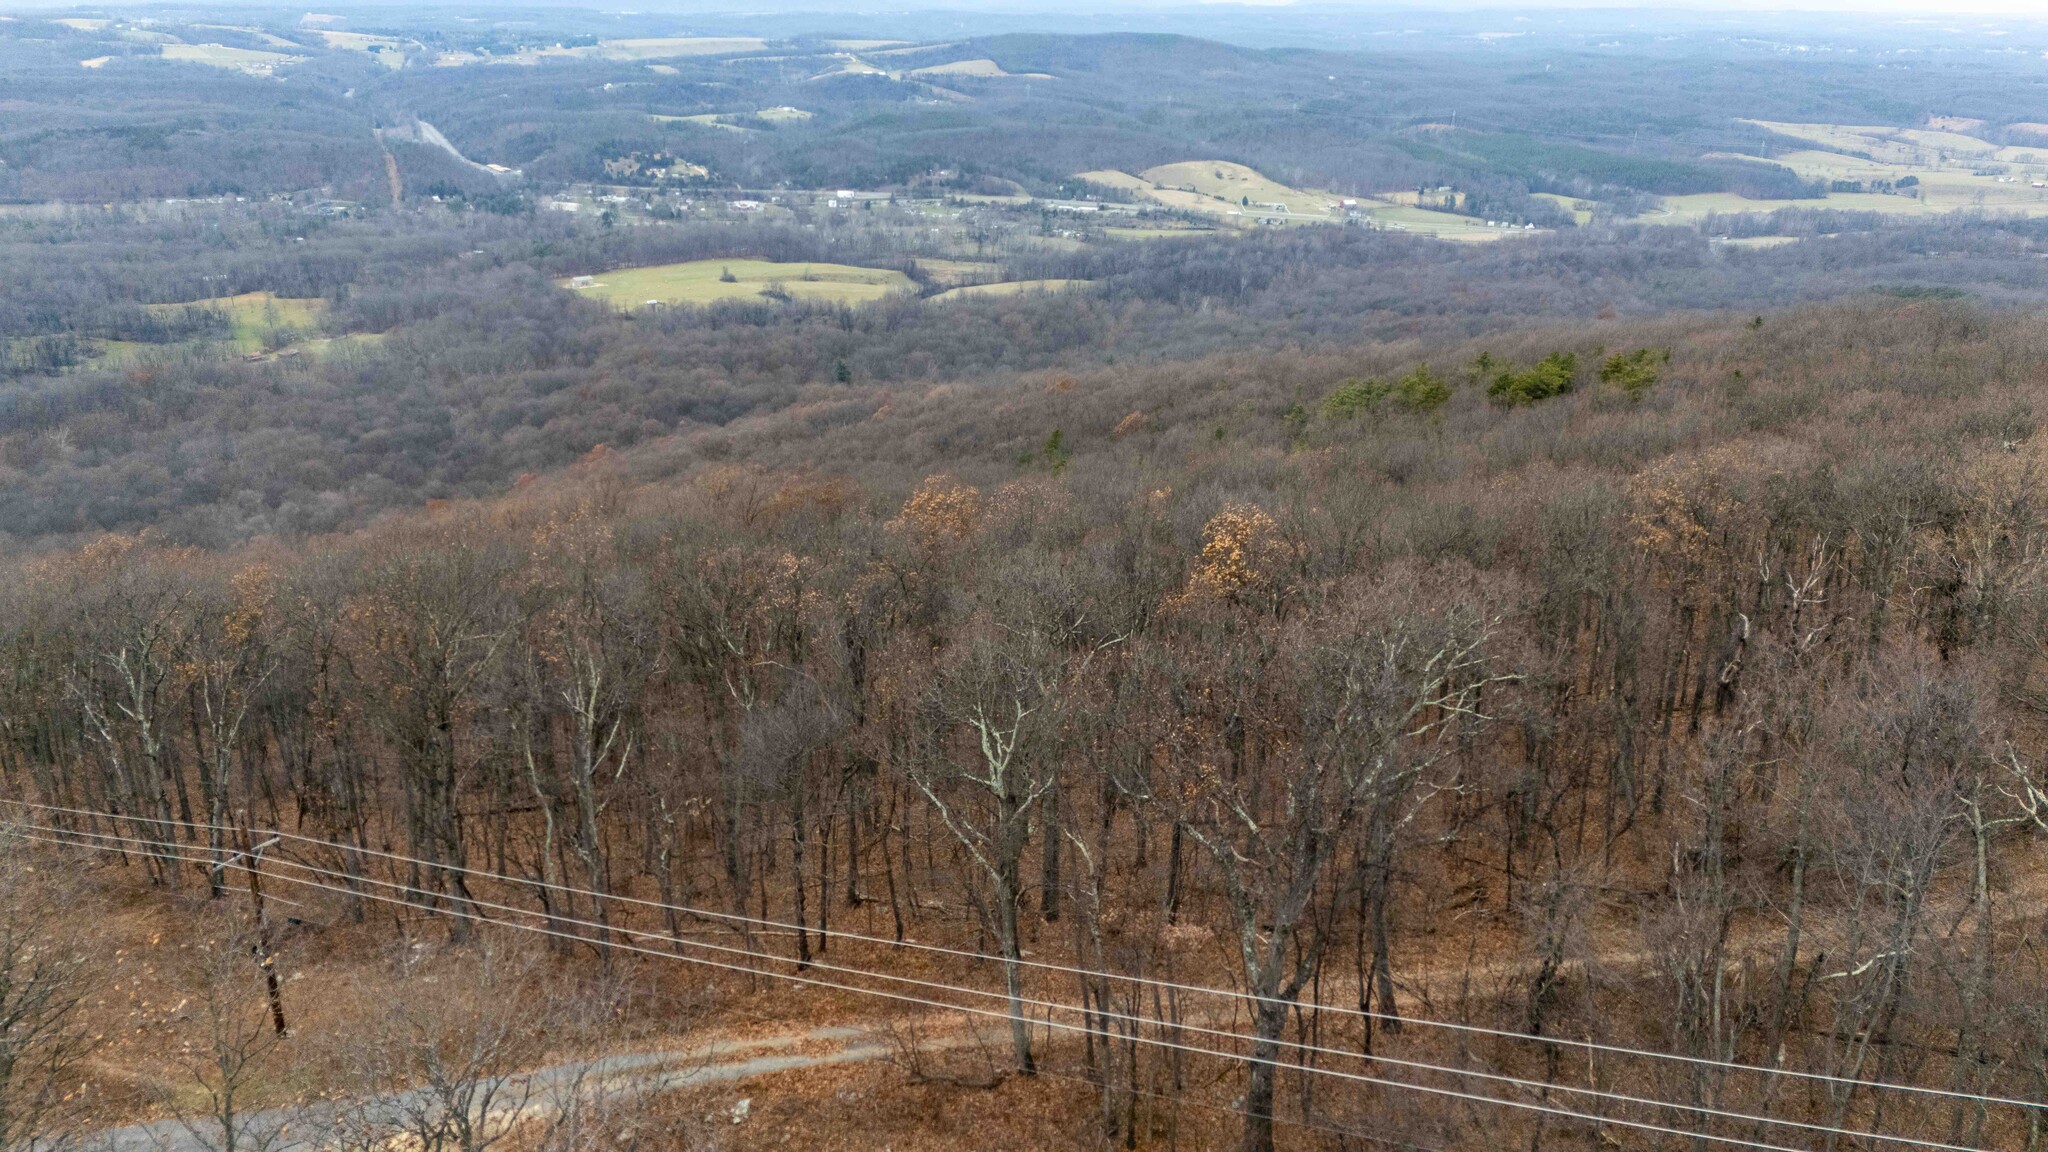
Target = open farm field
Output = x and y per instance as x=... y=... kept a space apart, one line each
x=1241 y=187
x=1428 y=222
x=275 y=41
x=1161 y=233
x=627 y=50
x=256 y=316
x=656 y=48
x=1239 y=196
x=221 y=56
x=1231 y=193
x=724 y=120
x=1111 y=178
x=957 y=272
x=704 y=282
x=1892 y=145
x=1010 y=288
x=1758 y=242
x=1937 y=196
x=1580 y=208
x=987 y=69
x=716 y=120
x=1894 y=171
x=387 y=50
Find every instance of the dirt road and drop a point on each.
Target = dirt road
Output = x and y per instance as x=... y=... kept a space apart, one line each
x=612 y=1077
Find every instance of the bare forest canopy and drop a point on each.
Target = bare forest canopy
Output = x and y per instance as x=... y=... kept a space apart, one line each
x=1524 y=524
x=1549 y=682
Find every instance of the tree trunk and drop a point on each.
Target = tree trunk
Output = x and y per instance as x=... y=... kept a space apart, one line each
x=1269 y=1018
x=1013 y=981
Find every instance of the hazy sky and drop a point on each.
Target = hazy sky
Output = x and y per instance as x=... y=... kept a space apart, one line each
x=1934 y=11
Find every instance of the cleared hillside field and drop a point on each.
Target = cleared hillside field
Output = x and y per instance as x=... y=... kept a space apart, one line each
x=222 y=56
x=1010 y=288
x=657 y=47
x=1893 y=145
x=1427 y=222
x=1930 y=171
x=1239 y=196
x=955 y=272
x=1572 y=204
x=255 y=316
x=1239 y=184
x=705 y=282
x=724 y=120
x=1232 y=193
x=1690 y=210
x=707 y=119
x=984 y=68
x=1111 y=178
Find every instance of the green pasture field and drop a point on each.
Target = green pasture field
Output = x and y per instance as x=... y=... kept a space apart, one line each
x=701 y=282
x=256 y=315
x=1429 y=222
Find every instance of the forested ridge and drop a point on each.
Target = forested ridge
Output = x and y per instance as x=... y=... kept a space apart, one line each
x=487 y=370
x=1690 y=702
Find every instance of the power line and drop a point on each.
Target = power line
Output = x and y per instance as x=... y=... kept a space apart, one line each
x=184 y=856
x=1050 y=1006
x=1153 y=982
x=179 y=853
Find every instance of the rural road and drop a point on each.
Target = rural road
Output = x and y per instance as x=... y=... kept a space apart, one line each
x=317 y=1126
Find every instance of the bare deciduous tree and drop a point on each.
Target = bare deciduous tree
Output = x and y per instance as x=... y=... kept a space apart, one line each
x=44 y=978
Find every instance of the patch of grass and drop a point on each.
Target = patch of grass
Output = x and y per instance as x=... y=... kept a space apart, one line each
x=261 y=320
x=705 y=282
